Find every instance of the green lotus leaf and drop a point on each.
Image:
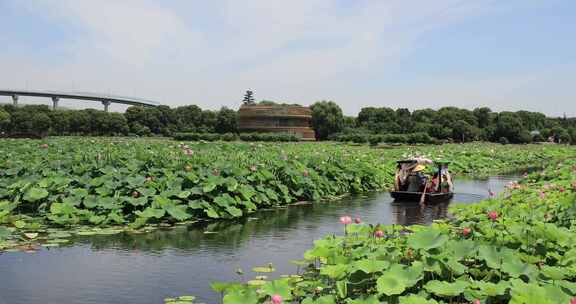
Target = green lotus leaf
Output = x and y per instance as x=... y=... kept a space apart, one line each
x=491 y=255
x=278 y=287
x=390 y=285
x=334 y=271
x=235 y=212
x=461 y=249
x=256 y=282
x=530 y=293
x=414 y=299
x=455 y=266
x=446 y=288
x=178 y=212
x=211 y=213
x=427 y=239
x=554 y=273
x=516 y=268
x=241 y=296
x=19 y=224
x=220 y=287
x=491 y=289
x=35 y=194
x=263 y=269
x=368 y=300
x=4 y=233
x=371 y=265
x=321 y=300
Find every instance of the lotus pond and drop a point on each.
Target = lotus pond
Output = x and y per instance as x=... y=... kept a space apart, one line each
x=166 y=262
x=56 y=193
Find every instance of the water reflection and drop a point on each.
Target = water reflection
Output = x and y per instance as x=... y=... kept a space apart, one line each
x=145 y=268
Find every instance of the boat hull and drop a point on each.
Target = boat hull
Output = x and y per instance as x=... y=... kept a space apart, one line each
x=416 y=196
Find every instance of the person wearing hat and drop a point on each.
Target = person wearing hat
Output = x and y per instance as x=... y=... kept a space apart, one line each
x=417 y=179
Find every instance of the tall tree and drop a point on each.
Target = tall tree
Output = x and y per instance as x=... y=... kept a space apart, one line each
x=248 y=98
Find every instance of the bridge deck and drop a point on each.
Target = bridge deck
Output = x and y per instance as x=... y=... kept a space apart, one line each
x=82 y=96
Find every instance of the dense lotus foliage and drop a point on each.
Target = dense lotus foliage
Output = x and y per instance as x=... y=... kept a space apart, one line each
x=517 y=248
x=87 y=185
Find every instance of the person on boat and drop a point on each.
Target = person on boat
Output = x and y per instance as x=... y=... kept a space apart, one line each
x=403 y=170
x=416 y=179
x=446 y=185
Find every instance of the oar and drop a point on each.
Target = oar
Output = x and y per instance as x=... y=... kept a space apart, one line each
x=423 y=197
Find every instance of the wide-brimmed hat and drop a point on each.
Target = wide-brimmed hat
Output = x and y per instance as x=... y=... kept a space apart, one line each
x=419 y=168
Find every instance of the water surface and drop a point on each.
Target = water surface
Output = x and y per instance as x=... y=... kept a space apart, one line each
x=146 y=268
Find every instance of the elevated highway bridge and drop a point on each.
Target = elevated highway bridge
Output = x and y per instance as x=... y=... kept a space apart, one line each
x=105 y=99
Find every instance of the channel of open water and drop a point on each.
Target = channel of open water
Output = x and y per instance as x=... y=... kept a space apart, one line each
x=146 y=268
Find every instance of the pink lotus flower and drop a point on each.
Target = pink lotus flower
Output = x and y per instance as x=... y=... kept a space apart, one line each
x=305 y=173
x=466 y=231
x=491 y=193
x=253 y=168
x=276 y=299
x=476 y=301
x=573 y=301
x=135 y=194
x=357 y=220
x=561 y=189
x=493 y=215
x=542 y=195
x=44 y=146
x=345 y=220
x=379 y=233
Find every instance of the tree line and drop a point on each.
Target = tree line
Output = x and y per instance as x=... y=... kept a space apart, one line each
x=141 y=121
x=444 y=124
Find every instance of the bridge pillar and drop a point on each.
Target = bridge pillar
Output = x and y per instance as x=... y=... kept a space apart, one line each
x=15 y=100
x=55 y=102
x=106 y=103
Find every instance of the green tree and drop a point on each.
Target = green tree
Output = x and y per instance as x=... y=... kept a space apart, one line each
x=509 y=125
x=327 y=119
x=482 y=116
x=61 y=121
x=80 y=122
x=208 y=121
x=226 y=121
x=40 y=123
x=4 y=120
x=464 y=132
x=188 y=118
x=248 y=98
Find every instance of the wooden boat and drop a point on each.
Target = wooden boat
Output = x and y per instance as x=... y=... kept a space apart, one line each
x=429 y=197
x=416 y=196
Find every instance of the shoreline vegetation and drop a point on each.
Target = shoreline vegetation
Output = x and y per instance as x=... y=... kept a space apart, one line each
x=371 y=125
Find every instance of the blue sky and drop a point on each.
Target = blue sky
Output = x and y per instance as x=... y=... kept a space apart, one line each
x=507 y=55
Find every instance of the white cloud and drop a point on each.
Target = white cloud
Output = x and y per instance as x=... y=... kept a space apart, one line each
x=208 y=53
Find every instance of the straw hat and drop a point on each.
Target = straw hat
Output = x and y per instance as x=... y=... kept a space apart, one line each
x=419 y=168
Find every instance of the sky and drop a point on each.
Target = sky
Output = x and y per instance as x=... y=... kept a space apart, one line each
x=507 y=55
